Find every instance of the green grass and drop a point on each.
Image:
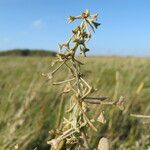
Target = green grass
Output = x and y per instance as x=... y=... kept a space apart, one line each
x=29 y=104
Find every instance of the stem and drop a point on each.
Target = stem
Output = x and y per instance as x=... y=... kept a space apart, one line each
x=61 y=82
x=140 y=116
x=54 y=71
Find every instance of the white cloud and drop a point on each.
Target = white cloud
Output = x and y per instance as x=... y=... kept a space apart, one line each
x=39 y=24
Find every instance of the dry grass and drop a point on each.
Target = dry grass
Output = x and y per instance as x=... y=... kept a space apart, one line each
x=27 y=101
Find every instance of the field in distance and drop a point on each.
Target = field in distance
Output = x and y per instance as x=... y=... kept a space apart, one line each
x=30 y=105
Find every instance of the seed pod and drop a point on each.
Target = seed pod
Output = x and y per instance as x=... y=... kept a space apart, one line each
x=103 y=144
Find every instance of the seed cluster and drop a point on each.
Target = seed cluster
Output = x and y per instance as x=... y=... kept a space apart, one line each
x=73 y=132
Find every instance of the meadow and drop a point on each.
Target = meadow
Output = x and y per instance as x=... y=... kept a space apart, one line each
x=30 y=105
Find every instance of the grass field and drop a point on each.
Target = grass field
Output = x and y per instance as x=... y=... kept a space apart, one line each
x=30 y=106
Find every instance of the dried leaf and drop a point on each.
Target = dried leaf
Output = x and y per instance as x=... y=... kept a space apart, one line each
x=96 y=24
x=71 y=19
x=101 y=118
x=120 y=103
x=54 y=143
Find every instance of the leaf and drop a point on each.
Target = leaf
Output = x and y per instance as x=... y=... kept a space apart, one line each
x=120 y=103
x=96 y=24
x=101 y=118
x=71 y=19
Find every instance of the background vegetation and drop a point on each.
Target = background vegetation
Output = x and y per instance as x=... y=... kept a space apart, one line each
x=28 y=101
x=27 y=52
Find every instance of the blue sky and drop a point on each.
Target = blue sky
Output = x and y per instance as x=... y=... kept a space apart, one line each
x=125 y=28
